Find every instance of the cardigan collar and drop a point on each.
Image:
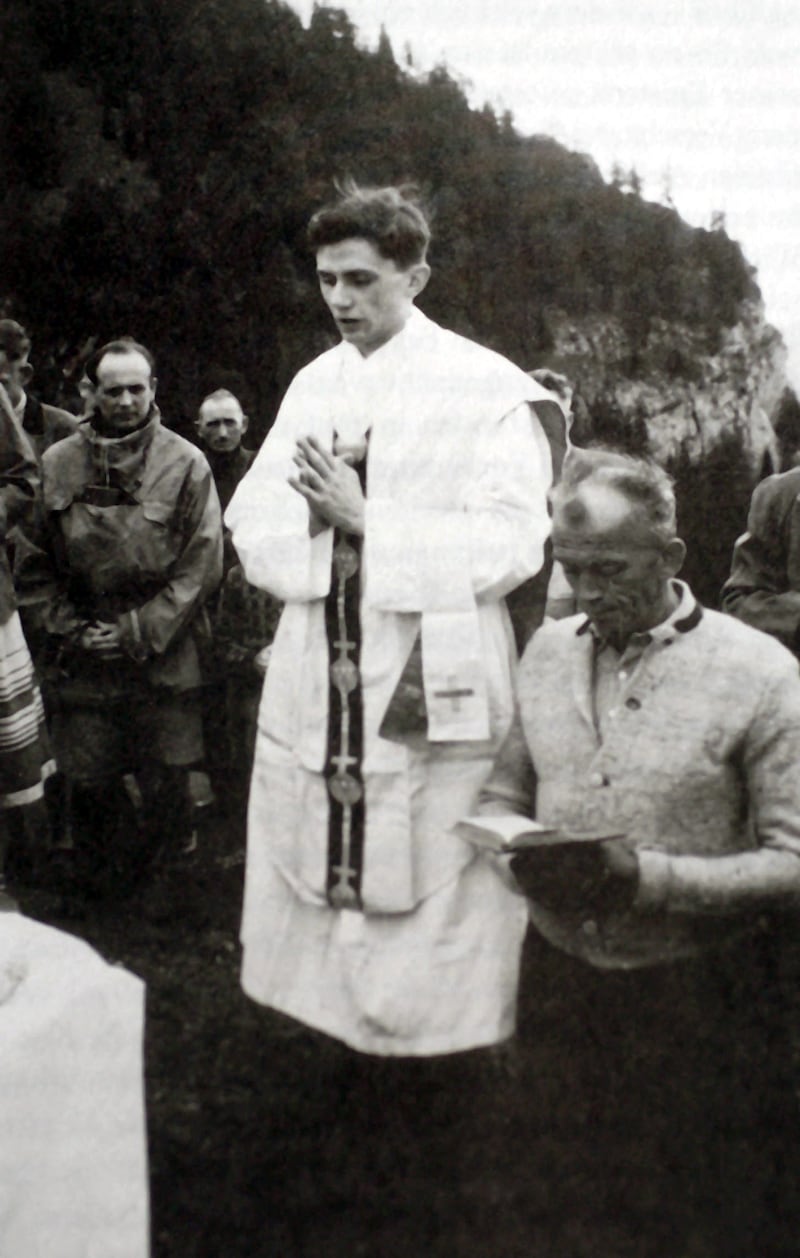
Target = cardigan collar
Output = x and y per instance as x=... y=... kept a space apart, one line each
x=684 y=617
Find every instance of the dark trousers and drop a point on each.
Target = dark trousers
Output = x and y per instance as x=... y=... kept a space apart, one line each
x=117 y=839
x=671 y=1093
x=108 y=725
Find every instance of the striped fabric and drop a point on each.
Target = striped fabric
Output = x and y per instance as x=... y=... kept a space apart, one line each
x=25 y=760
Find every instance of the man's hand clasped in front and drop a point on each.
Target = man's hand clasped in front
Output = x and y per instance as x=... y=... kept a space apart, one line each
x=102 y=638
x=330 y=486
x=579 y=877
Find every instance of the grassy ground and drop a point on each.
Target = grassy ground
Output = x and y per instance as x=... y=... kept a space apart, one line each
x=267 y=1141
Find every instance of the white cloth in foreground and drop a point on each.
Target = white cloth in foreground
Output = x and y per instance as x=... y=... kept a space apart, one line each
x=457 y=470
x=73 y=1160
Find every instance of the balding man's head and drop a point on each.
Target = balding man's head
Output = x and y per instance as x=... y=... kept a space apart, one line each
x=123 y=385
x=221 y=423
x=614 y=535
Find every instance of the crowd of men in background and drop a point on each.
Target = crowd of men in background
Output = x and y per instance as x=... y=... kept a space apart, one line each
x=149 y=645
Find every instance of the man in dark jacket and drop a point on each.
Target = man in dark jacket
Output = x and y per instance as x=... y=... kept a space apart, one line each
x=244 y=618
x=763 y=589
x=113 y=585
x=220 y=425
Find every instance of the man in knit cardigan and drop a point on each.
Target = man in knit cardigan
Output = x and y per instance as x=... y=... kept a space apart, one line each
x=654 y=967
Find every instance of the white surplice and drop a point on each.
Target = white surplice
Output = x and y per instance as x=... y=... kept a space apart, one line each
x=73 y=1154
x=457 y=472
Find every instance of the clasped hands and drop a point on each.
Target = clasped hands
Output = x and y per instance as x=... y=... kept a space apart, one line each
x=102 y=638
x=595 y=877
x=330 y=486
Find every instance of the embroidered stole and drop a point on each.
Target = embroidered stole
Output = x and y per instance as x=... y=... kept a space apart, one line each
x=345 y=744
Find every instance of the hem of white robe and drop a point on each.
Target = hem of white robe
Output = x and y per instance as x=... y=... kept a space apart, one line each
x=298 y=966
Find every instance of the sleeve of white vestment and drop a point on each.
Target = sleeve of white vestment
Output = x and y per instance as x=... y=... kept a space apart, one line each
x=431 y=559
x=269 y=521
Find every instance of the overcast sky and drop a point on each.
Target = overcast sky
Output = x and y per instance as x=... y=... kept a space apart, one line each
x=699 y=95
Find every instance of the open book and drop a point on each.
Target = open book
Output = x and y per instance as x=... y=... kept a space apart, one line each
x=514 y=833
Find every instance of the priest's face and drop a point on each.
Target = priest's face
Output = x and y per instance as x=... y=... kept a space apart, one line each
x=369 y=296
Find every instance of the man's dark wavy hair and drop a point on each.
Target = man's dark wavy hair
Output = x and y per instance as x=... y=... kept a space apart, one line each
x=392 y=219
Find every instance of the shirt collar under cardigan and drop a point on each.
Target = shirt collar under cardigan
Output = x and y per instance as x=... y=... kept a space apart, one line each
x=682 y=619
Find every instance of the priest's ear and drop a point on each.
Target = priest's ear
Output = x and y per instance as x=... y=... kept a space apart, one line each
x=418 y=276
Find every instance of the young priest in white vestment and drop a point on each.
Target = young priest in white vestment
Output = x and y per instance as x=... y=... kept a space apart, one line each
x=400 y=495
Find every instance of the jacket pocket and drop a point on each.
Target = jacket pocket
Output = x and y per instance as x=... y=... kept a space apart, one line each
x=158 y=512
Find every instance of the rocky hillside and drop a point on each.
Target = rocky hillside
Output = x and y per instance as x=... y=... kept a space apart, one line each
x=674 y=393
x=166 y=195
x=718 y=416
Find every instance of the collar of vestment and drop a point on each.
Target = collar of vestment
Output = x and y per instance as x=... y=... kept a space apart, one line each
x=397 y=344
x=423 y=367
x=684 y=617
x=360 y=376
x=19 y=408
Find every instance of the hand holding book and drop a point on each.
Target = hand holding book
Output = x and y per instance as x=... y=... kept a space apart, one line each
x=512 y=832
x=560 y=870
x=581 y=877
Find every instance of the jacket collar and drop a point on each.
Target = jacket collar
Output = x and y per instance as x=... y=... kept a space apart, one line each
x=125 y=454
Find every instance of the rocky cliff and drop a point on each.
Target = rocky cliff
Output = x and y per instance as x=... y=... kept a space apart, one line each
x=684 y=395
